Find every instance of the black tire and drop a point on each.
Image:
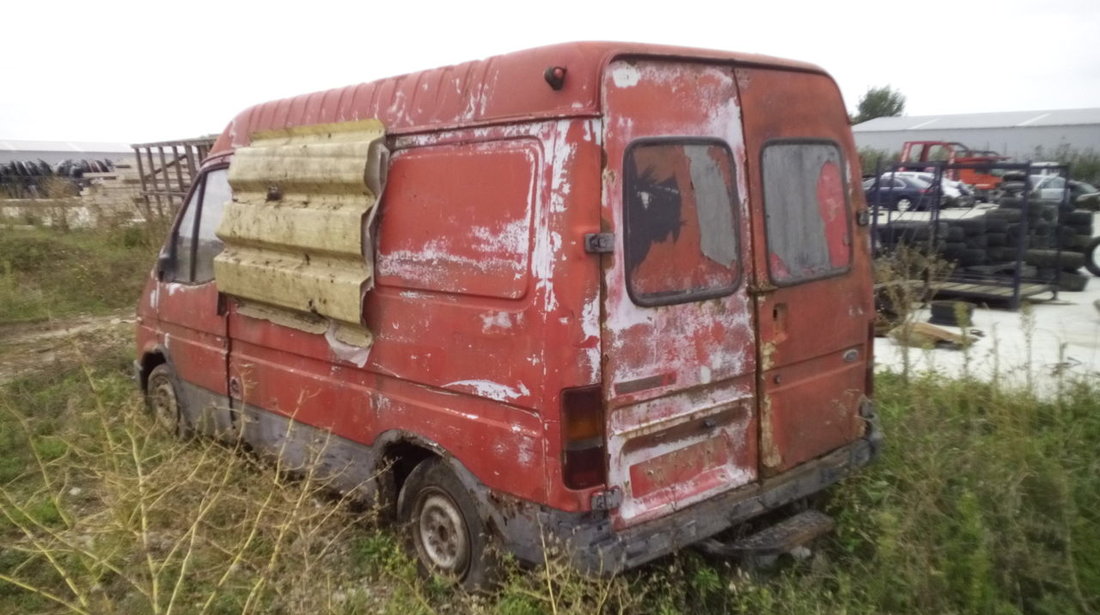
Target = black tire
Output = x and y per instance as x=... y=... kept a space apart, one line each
x=1078 y=217
x=972 y=257
x=1072 y=281
x=996 y=240
x=1092 y=256
x=949 y=313
x=1080 y=243
x=971 y=226
x=953 y=254
x=444 y=528
x=163 y=401
x=995 y=224
x=1040 y=242
x=1067 y=261
x=1001 y=254
x=977 y=241
x=1008 y=215
x=955 y=233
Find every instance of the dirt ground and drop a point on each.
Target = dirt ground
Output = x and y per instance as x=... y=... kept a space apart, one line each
x=28 y=347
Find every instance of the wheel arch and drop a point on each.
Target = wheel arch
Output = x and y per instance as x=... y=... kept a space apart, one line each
x=149 y=361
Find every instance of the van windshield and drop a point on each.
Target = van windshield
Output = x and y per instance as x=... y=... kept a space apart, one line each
x=681 y=231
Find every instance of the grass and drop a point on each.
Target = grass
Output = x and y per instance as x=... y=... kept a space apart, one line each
x=987 y=500
x=45 y=273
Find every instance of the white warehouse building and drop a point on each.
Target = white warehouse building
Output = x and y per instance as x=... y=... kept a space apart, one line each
x=1023 y=135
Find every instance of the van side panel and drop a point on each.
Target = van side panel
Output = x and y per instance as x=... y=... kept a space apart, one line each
x=485 y=307
x=814 y=335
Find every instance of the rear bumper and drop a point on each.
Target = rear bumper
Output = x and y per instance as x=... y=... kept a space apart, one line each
x=598 y=548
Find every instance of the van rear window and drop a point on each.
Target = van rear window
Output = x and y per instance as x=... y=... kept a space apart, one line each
x=681 y=228
x=807 y=211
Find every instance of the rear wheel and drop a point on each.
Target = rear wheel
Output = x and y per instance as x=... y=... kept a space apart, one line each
x=904 y=205
x=446 y=532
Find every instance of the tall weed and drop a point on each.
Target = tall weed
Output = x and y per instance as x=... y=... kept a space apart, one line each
x=986 y=500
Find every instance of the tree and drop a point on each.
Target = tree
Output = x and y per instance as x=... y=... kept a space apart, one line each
x=879 y=102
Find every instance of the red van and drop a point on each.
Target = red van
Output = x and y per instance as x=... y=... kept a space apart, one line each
x=615 y=295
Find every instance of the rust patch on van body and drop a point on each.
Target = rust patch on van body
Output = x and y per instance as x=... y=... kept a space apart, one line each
x=812 y=269
x=679 y=342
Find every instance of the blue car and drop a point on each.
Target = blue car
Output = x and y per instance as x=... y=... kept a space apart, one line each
x=900 y=193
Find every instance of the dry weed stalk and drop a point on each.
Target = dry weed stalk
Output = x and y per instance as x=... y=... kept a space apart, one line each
x=170 y=526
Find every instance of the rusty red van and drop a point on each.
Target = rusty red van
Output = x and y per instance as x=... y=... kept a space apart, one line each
x=614 y=295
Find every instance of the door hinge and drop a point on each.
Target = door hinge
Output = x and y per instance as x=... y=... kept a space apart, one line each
x=606 y=500
x=863 y=217
x=761 y=289
x=599 y=243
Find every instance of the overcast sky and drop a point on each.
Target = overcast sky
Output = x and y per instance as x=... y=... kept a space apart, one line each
x=142 y=71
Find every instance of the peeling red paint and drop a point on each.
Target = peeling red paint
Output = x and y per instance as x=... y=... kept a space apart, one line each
x=487 y=306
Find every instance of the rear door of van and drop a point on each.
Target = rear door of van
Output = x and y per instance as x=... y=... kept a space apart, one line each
x=813 y=297
x=678 y=336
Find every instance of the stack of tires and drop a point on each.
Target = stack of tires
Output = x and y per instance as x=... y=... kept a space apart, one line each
x=1076 y=230
x=1055 y=244
x=915 y=234
x=967 y=242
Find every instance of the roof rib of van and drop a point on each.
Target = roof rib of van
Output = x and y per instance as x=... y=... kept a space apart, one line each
x=501 y=88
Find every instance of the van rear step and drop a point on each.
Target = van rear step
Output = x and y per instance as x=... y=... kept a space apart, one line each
x=783 y=537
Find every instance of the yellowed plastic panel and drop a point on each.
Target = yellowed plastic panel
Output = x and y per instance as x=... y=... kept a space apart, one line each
x=296 y=229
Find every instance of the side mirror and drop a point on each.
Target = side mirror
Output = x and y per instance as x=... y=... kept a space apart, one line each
x=164 y=265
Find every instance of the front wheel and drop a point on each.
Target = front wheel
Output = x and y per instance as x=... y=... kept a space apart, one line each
x=904 y=205
x=1092 y=256
x=163 y=402
x=446 y=532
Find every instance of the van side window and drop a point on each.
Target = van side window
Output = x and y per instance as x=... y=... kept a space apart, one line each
x=196 y=245
x=681 y=228
x=806 y=210
x=457 y=219
x=216 y=193
x=185 y=238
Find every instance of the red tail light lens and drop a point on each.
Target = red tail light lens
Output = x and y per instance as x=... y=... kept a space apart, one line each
x=584 y=454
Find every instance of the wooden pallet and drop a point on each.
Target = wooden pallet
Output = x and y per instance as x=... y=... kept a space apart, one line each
x=990 y=291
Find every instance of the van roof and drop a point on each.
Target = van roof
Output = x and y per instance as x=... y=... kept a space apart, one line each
x=504 y=87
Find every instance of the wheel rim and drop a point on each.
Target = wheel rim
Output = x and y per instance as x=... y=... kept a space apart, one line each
x=442 y=536
x=165 y=406
x=903 y=205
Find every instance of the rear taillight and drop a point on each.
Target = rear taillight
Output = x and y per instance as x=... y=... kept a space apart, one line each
x=584 y=457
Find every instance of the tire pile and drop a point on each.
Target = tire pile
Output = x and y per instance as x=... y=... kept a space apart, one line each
x=1053 y=248
x=23 y=178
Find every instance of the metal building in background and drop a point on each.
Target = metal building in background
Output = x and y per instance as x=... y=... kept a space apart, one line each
x=1023 y=135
